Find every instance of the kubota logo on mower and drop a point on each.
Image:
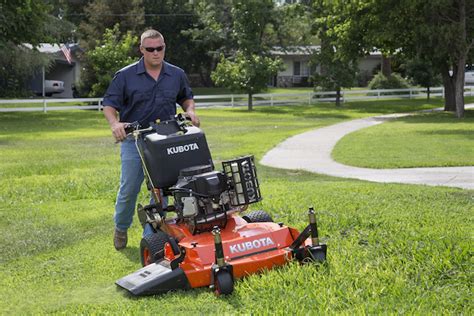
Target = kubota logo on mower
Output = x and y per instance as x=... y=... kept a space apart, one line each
x=182 y=148
x=251 y=245
x=248 y=182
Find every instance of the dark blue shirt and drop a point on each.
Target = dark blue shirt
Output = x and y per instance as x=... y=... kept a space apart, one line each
x=138 y=97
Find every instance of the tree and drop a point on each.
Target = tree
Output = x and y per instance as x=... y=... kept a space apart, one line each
x=423 y=73
x=248 y=73
x=24 y=22
x=105 y=14
x=440 y=31
x=17 y=66
x=335 y=73
x=172 y=18
x=292 y=25
x=250 y=67
x=110 y=55
x=211 y=35
x=338 y=68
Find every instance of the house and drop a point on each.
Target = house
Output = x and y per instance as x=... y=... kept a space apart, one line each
x=297 y=69
x=62 y=69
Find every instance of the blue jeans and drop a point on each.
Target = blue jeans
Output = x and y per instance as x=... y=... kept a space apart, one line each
x=131 y=179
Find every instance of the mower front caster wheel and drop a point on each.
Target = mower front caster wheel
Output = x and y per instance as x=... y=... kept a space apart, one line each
x=152 y=247
x=223 y=283
x=317 y=254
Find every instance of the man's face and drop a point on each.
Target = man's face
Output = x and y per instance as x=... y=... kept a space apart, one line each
x=154 y=58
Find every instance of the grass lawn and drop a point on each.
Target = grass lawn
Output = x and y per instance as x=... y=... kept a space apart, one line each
x=392 y=248
x=423 y=140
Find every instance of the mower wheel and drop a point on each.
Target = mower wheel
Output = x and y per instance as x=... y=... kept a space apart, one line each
x=317 y=254
x=224 y=284
x=152 y=247
x=257 y=217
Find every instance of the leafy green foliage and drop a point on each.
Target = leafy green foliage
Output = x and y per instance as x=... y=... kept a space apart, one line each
x=106 y=14
x=250 y=68
x=111 y=54
x=335 y=72
x=211 y=36
x=422 y=73
x=23 y=21
x=437 y=30
x=389 y=245
x=249 y=73
x=337 y=68
x=395 y=81
x=17 y=65
x=252 y=19
x=175 y=17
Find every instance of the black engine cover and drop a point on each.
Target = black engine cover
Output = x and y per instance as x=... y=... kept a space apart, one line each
x=166 y=155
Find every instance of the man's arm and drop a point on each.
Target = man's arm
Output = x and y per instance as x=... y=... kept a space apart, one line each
x=189 y=108
x=118 y=128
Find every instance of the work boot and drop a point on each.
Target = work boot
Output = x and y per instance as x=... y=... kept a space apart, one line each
x=120 y=239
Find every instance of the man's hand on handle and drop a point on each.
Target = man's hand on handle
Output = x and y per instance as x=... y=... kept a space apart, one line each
x=118 y=131
x=193 y=117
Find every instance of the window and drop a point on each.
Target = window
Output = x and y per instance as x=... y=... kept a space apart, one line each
x=301 y=68
x=296 y=68
x=305 y=69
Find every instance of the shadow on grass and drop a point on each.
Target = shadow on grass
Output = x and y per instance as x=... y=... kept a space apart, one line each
x=439 y=118
x=132 y=254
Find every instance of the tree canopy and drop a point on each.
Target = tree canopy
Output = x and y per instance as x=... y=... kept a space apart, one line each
x=441 y=31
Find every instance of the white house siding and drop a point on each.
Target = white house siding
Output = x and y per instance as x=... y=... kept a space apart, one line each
x=287 y=77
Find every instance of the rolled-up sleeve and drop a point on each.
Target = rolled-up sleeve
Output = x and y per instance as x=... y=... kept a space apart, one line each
x=185 y=91
x=114 y=96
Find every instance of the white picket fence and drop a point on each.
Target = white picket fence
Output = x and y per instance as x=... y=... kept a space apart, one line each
x=223 y=100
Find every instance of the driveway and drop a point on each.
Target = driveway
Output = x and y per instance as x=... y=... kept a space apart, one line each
x=311 y=151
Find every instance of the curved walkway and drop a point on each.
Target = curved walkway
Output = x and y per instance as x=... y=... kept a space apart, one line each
x=311 y=151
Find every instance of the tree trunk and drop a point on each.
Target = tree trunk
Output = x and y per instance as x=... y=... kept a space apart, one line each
x=461 y=63
x=459 y=88
x=449 y=89
x=428 y=93
x=386 y=67
x=338 y=97
x=250 y=101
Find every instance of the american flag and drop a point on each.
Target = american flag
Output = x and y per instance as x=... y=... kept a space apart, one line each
x=67 y=53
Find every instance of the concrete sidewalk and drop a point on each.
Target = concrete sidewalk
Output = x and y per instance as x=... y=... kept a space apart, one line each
x=311 y=151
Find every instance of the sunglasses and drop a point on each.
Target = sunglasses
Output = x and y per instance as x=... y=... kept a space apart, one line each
x=152 y=49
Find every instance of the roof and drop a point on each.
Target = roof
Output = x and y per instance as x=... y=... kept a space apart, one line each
x=51 y=48
x=304 y=51
x=294 y=50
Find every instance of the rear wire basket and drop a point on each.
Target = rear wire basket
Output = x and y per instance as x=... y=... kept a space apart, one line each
x=242 y=176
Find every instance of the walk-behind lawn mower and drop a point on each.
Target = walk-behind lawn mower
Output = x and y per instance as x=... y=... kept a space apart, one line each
x=207 y=243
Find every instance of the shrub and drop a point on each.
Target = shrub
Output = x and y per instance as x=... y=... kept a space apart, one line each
x=395 y=81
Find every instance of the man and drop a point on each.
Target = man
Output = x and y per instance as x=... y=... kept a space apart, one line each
x=144 y=92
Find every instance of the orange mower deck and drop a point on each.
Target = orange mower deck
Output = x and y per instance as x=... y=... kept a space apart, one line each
x=247 y=249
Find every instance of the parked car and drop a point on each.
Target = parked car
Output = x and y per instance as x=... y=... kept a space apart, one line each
x=51 y=87
x=469 y=77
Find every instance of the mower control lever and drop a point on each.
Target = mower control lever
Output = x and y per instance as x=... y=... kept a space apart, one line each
x=130 y=127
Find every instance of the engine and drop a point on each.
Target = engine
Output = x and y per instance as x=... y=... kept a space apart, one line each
x=177 y=161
